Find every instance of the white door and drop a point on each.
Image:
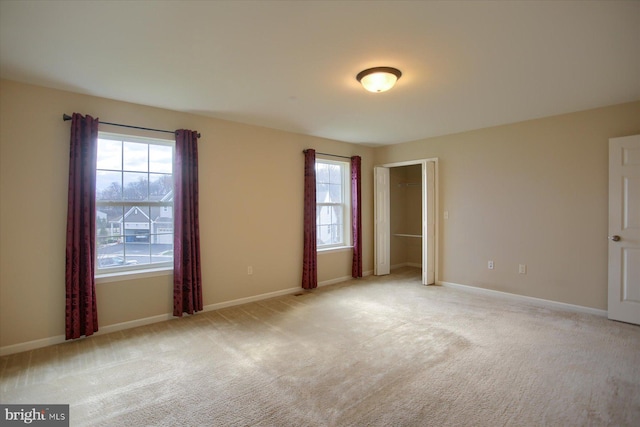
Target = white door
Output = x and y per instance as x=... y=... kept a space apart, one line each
x=624 y=229
x=429 y=219
x=381 y=221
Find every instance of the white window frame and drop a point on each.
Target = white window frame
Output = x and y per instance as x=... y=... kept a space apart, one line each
x=143 y=270
x=346 y=205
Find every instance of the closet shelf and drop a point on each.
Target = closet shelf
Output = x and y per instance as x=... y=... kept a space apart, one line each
x=408 y=235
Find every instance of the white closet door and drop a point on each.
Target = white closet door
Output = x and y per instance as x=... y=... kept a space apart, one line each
x=382 y=224
x=429 y=224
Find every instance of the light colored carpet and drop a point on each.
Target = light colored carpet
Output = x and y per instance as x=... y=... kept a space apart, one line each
x=379 y=351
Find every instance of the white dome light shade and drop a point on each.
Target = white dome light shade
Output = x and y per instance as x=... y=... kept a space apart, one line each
x=378 y=79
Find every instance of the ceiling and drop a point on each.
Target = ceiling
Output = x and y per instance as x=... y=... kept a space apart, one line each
x=291 y=65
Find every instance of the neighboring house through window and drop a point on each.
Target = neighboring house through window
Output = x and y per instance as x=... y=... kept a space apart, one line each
x=134 y=203
x=333 y=201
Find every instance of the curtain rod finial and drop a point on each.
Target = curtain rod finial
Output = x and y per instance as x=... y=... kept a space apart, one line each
x=66 y=117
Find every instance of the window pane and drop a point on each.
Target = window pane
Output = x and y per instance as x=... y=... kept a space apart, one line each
x=112 y=260
x=136 y=156
x=323 y=236
x=335 y=174
x=322 y=173
x=109 y=255
x=161 y=234
x=103 y=242
x=160 y=158
x=162 y=217
x=136 y=235
x=336 y=234
x=329 y=235
x=139 y=252
x=323 y=215
x=162 y=250
x=114 y=215
x=105 y=229
x=136 y=224
x=165 y=255
x=109 y=154
x=162 y=243
x=160 y=186
x=108 y=185
x=109 y=222
x=322 y=193
x=336 y=215
x=335 y=193
x=136 y=186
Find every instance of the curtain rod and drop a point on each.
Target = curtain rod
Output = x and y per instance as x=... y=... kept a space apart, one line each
x=67 y=117
x=327 y=154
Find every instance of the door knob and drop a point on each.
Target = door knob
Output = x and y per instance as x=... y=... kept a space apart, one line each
x=615 y=238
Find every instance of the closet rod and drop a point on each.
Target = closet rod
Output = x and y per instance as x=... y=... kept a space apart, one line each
x=67 y=117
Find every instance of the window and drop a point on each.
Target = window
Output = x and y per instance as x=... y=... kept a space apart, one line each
x=333 y=201
x=134 y=203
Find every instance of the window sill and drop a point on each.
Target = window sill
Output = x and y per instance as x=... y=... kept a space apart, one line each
x=122 y=276
x=335 y=249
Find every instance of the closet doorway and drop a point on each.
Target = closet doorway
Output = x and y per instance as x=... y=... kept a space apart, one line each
x=405 y=217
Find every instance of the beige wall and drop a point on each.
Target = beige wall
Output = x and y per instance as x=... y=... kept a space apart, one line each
x=531 y=193
x=250 y=211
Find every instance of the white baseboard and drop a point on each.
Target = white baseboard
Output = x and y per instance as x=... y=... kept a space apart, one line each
x=405 y=264
x=239 y=301
x=334 y=281
x=31 y=345
x=134 y=323
x=59 y=339
x=45 y=342
x=342 y=279
x=537 y=301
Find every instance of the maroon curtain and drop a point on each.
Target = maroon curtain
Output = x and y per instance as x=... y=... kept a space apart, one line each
x=81 y=315
x=309 y=254
x=356 y=217
x=187 y=278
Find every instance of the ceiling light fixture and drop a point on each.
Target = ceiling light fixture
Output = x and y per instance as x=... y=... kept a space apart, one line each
x=378 y=79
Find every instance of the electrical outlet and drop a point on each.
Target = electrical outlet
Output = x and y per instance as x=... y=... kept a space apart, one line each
x=522 y=269
x=490 y=265
x=250 y=270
